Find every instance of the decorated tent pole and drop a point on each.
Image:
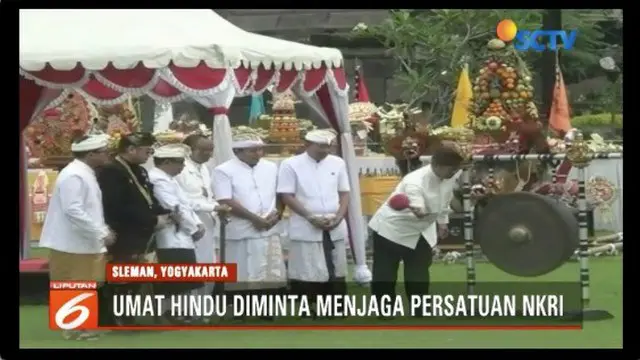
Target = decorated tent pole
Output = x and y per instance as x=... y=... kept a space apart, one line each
x=551 y=20
x=356 y=81
x=147 y=108
x=361 y=95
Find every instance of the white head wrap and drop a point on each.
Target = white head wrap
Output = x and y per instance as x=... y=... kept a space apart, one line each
x=92 y=142
x=322 y=136
x=245 y=141
x=171 y=151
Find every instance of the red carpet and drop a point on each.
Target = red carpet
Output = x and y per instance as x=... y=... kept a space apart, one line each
x=34 y=266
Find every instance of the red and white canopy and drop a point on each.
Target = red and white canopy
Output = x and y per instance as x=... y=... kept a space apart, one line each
x=170 y=55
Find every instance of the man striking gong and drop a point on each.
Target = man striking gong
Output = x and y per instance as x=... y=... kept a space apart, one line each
x=409 y=234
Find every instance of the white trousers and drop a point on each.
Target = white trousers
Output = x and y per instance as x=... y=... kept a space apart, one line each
x=307 y=261
x=260 y=263
x=206 y=250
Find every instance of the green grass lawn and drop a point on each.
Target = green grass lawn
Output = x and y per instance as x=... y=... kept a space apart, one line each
x=606 y=280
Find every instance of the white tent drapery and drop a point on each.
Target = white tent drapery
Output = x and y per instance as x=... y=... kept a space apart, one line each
x=171 y=55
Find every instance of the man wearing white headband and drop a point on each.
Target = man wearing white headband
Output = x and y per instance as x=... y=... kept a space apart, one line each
x=247 y=184
x=74 y=229
x=196 y=183
x=408 y=232
x=175 y=241
x=315 y=186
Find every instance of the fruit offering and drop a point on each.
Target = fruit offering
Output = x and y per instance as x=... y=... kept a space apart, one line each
x=502 y=91
x=361 y=116
x=285 y=127
x=243 y=129
x=52 y=133
x=166 y=137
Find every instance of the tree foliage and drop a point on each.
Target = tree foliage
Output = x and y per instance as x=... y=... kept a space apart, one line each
x=431 y=45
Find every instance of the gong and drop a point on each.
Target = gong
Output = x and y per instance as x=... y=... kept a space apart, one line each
x=526 y=234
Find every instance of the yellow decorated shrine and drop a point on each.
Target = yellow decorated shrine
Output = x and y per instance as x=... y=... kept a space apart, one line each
x=41 y=183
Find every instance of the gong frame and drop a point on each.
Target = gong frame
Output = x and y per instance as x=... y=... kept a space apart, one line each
x=583 y=249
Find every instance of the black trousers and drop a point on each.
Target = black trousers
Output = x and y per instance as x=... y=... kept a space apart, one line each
x=386 y=261
x=176 y=256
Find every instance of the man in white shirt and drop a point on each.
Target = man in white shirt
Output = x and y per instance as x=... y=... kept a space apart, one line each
x=195 y=182
x=175 y=242
x=247 y=184
x=409 y=235
x=315 y=186
x=74 y=230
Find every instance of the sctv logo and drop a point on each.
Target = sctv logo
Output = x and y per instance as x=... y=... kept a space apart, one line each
x=524 y=40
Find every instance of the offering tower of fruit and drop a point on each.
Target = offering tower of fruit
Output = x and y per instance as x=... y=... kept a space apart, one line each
x=117 y=121
x=51 y=134
x=503 y=95
x=285 y=129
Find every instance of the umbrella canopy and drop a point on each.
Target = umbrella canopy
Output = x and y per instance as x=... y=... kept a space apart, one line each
x=156 y=37
x=170 y=55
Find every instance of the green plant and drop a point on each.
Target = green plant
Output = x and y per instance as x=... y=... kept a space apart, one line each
x=600 y=120
x=430 y=47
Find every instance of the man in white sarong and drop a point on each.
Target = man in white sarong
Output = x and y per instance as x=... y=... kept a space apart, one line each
x=195 y=181
x=74 y=229
x=315 y=186
x=409 y=235
x=247 y=184
x=175 y=242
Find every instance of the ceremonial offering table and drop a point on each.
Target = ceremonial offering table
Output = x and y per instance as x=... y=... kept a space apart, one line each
x=41 y=183
x=374 y=190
